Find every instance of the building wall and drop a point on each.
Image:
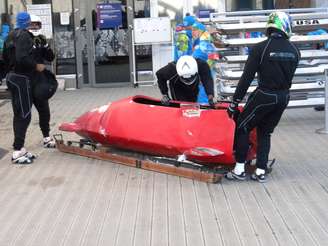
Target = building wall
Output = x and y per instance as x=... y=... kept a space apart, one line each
x=2 y=7
x=321 y=3
x=62 y=5
x=17 y=5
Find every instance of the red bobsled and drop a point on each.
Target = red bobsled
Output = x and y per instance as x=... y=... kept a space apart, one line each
x=182 y=130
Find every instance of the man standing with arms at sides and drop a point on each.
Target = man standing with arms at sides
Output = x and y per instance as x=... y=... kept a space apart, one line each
x=275 y=61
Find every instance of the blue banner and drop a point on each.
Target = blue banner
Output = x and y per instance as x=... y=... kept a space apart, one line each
x=109 y=15
x=205 y=13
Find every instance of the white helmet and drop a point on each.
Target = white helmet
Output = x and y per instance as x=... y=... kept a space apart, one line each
x=36 y=25
x=187 y=69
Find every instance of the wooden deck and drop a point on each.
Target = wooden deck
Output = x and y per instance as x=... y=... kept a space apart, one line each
x=64 y=199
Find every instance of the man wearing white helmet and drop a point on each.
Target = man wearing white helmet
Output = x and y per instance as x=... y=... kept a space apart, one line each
x=184 y=77
x=42 y=53
x=35 y=25
x=275 y=61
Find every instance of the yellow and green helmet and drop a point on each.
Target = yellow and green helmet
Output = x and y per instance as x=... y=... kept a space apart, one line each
x=281 y=21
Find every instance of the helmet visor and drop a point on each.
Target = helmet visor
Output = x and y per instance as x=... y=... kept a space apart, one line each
x=190 y=80
x=35 y=26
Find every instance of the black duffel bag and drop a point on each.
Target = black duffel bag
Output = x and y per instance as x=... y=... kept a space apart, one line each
x=44 y=85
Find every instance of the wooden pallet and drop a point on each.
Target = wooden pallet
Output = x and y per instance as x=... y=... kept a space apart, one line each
x=169 y=166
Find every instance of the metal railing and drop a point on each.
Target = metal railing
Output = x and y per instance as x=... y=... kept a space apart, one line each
x=325 y=129
x=308 y=84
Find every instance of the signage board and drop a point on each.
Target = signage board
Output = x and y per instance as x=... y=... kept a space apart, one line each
x=109 y=15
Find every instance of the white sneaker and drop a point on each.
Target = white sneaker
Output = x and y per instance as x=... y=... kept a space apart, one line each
x=22 y=157
x=49 y=143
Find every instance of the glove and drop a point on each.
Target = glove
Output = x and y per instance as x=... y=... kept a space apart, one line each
x=211 y=103
x=232 y=109
x=43 y=39
x=165 y=100
x=40 y=41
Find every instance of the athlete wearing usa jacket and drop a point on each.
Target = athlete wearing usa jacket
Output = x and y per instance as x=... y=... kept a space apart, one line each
x=275 y=61
x=184 y=77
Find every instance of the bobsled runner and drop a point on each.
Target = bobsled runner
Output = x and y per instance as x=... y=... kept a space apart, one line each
x=182 y=131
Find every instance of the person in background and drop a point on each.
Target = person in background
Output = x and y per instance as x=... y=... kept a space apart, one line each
x=4 y=34
x=275 y=61
x=183 y=37
x=184 y=77
x=18 y=56
x=42 y=53
x=203 y=49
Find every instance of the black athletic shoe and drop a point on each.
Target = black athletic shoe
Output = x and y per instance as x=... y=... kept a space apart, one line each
x=319 y=108
x=262 y=178
x=233 y=176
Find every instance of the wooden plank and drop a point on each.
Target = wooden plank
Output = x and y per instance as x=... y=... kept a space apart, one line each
x=46 y=224
x=311 y=189
x=196 y=174
x=243 y=224
x=309 y=223
x=208 y=217
x=69 y=223
x=274 y=218
x=126 y=231
x=176 y=223
x=143 y=233
x=83 y=214
x=13 y=232
x=159 y=226
x=193 y=225
x=290 y=182
x=62 y=214
x=100 y=212
x=260 y=223
x=45 y=221
x=281 y=213
x=225 y=219
x=182 y=172
x=110 y=229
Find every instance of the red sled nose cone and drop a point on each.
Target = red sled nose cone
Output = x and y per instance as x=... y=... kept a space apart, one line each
x=69 y=127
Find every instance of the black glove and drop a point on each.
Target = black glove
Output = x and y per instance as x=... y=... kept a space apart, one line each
x=232 y=109
x=165 y=100
x=40 y=41
x=211 y=103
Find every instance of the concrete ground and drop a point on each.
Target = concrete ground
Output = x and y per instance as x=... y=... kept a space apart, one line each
x=63 y=199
